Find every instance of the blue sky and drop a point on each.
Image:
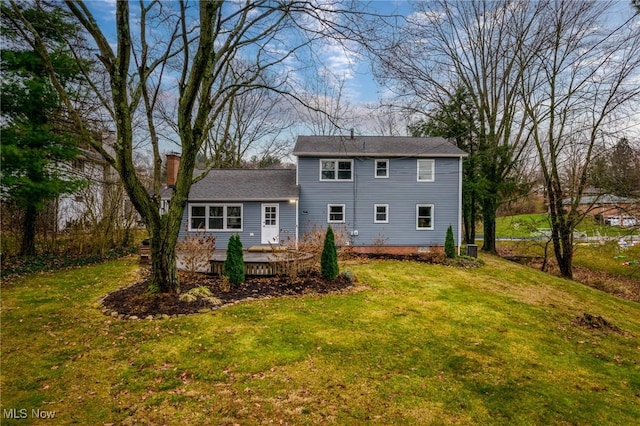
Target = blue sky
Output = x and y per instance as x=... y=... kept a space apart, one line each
x=360 y=88
x=360 y=84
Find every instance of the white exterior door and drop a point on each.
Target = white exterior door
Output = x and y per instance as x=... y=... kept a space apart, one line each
x=270 y=224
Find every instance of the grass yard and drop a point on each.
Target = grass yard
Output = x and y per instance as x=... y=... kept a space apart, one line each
x=528 y=225
x=413 y=344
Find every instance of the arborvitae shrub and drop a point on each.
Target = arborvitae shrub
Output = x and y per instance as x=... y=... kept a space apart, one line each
x=449 y=244
x=329 y=258
x=234 y=264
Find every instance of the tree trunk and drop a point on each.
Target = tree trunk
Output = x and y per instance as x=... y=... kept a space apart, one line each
x=469 y=217
x=561 y=232
x=164 y=276
x=562 y=235
x=28 y=247
x=489 y=209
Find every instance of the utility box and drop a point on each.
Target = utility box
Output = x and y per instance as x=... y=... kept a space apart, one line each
x=472 y=250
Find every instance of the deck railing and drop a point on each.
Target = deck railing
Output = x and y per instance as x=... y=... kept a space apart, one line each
x=279 y=265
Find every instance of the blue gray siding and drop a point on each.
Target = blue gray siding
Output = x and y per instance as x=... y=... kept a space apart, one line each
x=401 y=191
x=251 y=223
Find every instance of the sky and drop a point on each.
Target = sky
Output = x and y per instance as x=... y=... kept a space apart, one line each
x=360 y=84
x=360 y=88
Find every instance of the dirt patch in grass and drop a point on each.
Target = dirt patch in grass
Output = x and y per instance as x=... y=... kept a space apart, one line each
x=136 y=301
x=594 y=322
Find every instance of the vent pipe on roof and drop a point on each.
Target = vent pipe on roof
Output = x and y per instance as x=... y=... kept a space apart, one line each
x=352 y=133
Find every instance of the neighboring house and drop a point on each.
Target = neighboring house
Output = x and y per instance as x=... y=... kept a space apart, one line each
x=610 y=209
x=392 y=194
x=102 y=197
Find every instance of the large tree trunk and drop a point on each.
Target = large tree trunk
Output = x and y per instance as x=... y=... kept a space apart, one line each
x=561 y=234
x=489 y=208
x=164 y=276
x=469 y=217
x=28 y=246
x=564 y=255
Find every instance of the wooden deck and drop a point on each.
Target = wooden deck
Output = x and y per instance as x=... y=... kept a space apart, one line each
x=264 y=263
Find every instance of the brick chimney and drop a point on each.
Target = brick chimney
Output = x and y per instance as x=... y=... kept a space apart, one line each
x=173 y=163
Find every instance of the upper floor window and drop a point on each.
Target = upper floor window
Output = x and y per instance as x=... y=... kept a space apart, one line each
x=382 y=168
x=426 y=170
x=215 y=217
x=336 y=169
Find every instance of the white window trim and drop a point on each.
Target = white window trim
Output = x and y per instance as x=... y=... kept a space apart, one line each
x=224 y=217
x=344 y=213
x=432 y=217
x=336 y=161
x=375 y=169
x=433 y=170
x=375 y=213
x=191 y=206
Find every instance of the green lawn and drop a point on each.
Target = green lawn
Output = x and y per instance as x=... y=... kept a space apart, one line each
x=413 y=344
x=527 y=225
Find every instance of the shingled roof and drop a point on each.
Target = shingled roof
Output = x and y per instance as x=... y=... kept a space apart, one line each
x=375 y=146
x=246 y=185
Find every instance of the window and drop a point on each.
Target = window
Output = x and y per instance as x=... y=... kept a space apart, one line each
x=336 y=169
x=381 y=213
x=335 y=213
x=426 y=170
x=424 y=216
x=215 y=217
x=234 y=217
x=78 y=165
x=382 y=169
x=198 y=217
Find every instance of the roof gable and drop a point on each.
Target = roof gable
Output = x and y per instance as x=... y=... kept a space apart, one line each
x=375 y=146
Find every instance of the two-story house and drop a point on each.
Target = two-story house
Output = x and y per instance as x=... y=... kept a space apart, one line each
x=393 y=194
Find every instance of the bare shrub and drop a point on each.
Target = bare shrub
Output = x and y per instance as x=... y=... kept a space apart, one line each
x=286 y=257
x=224 y=283
x=379 y=243
x=195 y=250
x=312 y=242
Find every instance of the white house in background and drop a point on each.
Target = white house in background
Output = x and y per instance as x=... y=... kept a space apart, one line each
x=103 y=196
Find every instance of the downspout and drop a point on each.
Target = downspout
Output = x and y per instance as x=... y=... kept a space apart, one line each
x=297 y=202
x=459 y=203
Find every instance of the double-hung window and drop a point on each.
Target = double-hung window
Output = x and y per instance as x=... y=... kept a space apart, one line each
x=335 y=213
x=382 y=169
x=215 y=217
x=426 y=170
x=424 y=216
x=381 y=213
x=198 y=218
x=331 y=170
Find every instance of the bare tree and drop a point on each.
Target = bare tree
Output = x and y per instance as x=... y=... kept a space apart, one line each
x=253 y=120
x=582 y=86
x=446 y=45
x=387 y=119
x=326 y=111
x=192 y=61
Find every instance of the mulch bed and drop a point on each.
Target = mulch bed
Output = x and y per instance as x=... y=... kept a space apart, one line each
x=136 y=302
